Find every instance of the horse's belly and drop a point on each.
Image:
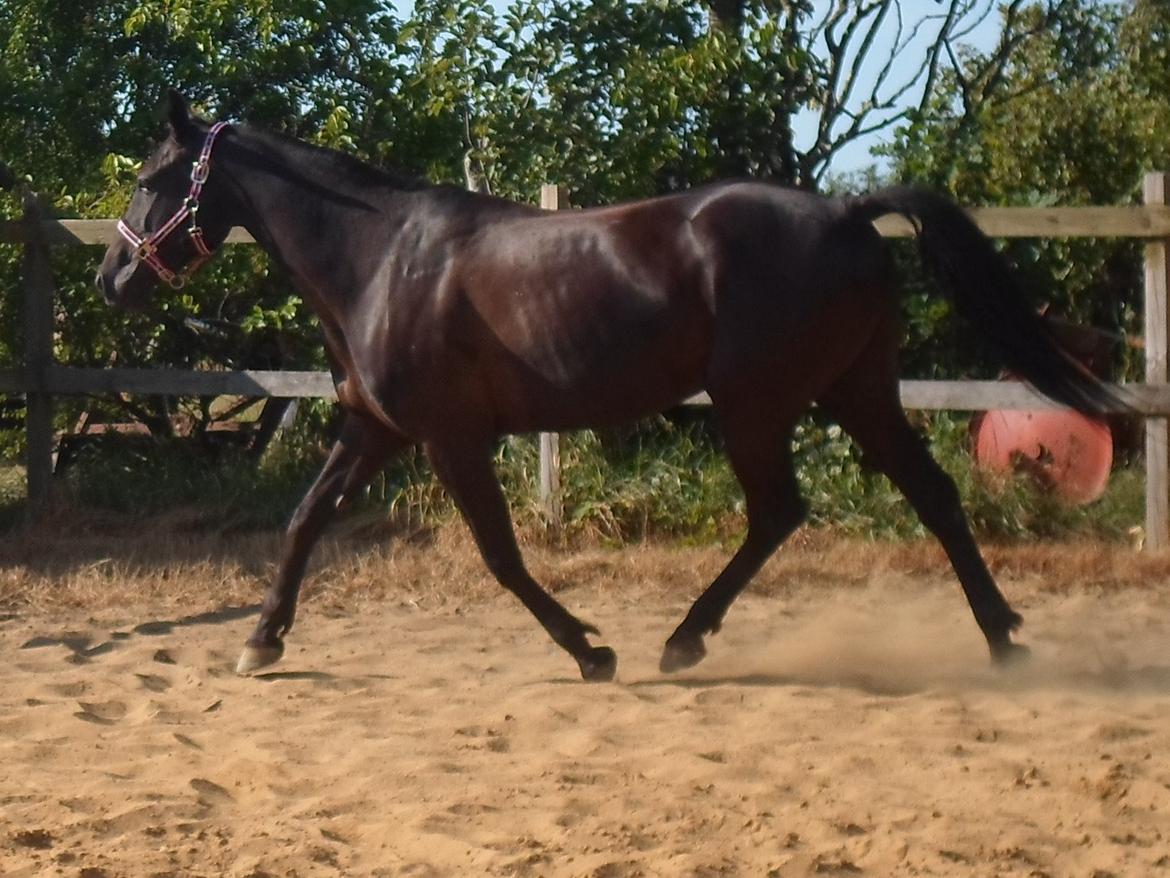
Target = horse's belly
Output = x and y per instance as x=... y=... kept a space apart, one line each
x=588 y=382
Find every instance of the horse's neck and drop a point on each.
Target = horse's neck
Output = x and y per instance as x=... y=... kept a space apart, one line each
x=307 y=215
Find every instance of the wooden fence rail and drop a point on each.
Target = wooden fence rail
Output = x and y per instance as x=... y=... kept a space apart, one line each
x=40 y=378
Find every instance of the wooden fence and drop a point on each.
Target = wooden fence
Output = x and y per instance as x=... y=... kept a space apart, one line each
x=41 y=378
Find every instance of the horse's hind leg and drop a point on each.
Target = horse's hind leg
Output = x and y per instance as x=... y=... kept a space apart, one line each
x=865 y=402
x=465 y=469
x=758 y=446
x=357 y=455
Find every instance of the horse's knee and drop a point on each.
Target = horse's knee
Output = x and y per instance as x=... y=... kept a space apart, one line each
x=939 y=504
x=771 y=523
x=508 y=569
x=296 y=524
x=310 y=515
x=796 y=513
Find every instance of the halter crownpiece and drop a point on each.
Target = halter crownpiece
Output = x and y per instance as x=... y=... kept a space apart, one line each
x=146 y=246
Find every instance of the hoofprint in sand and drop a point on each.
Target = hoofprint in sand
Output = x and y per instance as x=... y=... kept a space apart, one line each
x=847 y=721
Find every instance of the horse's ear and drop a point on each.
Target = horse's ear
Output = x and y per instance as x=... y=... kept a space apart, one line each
x=178 y=114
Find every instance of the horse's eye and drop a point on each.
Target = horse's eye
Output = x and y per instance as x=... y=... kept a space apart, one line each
x=143 y=186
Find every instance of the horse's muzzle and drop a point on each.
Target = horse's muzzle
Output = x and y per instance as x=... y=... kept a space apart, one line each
x=119 y=281
x=105 y=289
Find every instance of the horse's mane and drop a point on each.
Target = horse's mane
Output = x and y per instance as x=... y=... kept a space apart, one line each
x=323 y=162
x=343 y=178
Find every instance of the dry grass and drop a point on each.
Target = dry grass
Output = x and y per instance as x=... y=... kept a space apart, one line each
x=103 y=566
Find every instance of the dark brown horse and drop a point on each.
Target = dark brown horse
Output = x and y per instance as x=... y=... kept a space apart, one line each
x=451 y=318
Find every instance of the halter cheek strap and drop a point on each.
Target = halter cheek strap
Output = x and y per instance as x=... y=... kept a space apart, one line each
x=146 y=246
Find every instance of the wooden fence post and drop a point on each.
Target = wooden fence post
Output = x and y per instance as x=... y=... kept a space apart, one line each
x=39 y=297
x=1157 y=344
x=552 y=197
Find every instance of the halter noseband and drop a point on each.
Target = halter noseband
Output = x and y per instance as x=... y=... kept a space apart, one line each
x=146 y=247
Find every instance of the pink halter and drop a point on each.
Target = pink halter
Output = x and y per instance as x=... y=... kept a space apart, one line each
x=146 y=247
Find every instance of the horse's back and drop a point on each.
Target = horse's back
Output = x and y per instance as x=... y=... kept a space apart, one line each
x=555 y=320
x=776 y=235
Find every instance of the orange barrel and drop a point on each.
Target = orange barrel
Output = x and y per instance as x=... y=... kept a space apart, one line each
x=1067 y=452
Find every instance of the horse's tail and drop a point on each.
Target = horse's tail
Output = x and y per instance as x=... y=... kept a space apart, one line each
x=984 y=290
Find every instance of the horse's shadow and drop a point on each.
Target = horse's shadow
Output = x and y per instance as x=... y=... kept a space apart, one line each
x=84 y=649
x=768 y=680
x=212 y=617
x=1146 y=679
x=761 y=680
x=311 y=676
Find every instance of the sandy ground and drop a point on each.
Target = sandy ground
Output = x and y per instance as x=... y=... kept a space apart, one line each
x=842 y=724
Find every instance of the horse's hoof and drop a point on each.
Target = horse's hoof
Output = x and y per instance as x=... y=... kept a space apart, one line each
x=598 y=665
x=253 y=658
x=682 y=651
x=1010 y=655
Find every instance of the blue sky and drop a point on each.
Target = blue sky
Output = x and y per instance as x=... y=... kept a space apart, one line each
x=857 y=155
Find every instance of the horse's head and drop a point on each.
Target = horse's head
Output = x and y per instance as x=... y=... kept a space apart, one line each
x=177 y=217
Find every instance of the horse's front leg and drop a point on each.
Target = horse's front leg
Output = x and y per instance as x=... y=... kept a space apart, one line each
x=357 y=455
x=465 y=469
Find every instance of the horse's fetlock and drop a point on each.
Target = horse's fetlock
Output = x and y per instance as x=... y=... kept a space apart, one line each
x=998 y=623
x=572 y=639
